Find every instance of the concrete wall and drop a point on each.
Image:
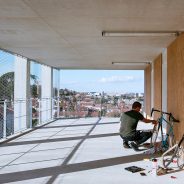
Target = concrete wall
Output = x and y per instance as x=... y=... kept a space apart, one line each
x=164 y=79
x=167 y=89
x=157 y=80
x=153 y=86
x=147 y=90
x=175 y=82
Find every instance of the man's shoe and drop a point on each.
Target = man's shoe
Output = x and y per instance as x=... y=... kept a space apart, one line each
x=126 y=145
x=134 y=146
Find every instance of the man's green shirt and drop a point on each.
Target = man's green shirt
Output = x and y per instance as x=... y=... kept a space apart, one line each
x=129 y=121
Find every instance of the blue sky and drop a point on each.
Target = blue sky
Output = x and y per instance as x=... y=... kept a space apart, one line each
x=6 y=62
x=115 y=81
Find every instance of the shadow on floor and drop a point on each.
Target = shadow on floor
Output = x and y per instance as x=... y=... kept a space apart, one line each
x=63 y=169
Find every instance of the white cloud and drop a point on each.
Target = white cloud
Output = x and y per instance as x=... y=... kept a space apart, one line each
x=69 y=82
x=117 y=79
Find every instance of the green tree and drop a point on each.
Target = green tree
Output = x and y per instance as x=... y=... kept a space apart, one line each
x=115 y=100
x=34 y=91
x=34 y=86
x=7 y=86
x=34 y=78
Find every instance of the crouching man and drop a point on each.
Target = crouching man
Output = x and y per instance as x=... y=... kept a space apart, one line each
x=132 y=137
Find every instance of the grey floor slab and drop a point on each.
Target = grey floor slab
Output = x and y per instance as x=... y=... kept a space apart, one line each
x=74 y=151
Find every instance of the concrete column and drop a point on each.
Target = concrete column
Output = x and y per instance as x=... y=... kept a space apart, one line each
x=29 y=100
x=21 y=94
x=55 y=86
x=152 y=86
x=58 y=107
x=164 y=80
x=46 y=94
x=52 y=93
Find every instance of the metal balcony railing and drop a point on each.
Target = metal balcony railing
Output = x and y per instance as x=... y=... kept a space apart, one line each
x=22 y=114
x=19 y=115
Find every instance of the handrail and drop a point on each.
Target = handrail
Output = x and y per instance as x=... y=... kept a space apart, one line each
x=171 y=117
x=14 y=111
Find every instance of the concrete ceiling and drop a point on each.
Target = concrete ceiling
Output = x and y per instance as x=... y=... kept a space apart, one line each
x=68 y=33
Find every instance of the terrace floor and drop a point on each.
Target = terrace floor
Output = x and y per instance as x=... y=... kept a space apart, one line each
x=83 y=151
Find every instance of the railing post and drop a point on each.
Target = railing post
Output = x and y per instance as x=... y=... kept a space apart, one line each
x=58 y=107
x=31 y=113
x=52 y=109
x=39 y=112
x=5 y=119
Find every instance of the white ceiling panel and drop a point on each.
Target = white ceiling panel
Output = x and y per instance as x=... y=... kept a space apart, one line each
x=68 y=33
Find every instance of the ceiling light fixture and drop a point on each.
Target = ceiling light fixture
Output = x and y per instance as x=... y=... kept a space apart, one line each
x=139 y=34
x=130 y=63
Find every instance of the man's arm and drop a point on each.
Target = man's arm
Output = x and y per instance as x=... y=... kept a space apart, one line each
x=154 y=122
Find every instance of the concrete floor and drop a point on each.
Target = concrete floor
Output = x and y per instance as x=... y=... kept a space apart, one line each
x=83 y=151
